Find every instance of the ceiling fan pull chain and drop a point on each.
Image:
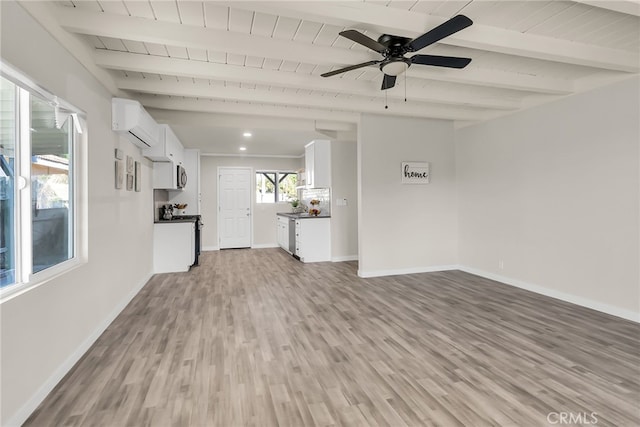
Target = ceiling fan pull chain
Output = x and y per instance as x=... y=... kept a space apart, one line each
x=405 y=87
x=386 y=104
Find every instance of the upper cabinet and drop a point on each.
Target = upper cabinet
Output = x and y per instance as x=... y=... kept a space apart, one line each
x=317 y=164
x=168 y=149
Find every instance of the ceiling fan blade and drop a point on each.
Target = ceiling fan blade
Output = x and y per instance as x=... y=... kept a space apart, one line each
x=352 y=67
x=388 y=82
x=365 y=41
x=453 y=25
x=440 y=61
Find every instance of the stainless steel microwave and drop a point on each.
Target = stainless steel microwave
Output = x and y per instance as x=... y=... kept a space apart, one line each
x=182 y=177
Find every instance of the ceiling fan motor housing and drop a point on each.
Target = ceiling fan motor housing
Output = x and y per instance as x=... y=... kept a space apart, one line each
x=395 y=44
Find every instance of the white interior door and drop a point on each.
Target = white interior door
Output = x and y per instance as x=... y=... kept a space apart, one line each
x=234 y=207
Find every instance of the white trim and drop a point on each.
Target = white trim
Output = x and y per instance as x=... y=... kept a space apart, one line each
x=40 y=278
x=344 y=258
x=27 y=409
x=413 y=270
x=210 y=248
x=275 y=156
x=265 y=246
x=573 y=299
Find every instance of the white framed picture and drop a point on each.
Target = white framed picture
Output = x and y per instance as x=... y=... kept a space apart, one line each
x=138 y=179
x=119 y=174
x=415 y=173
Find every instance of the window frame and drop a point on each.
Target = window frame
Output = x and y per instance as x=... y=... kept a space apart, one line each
x=276 y=195
x=25 y=278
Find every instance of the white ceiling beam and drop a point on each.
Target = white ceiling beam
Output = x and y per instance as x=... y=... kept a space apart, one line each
x=213 y=106
x=628 y=7
x=44 y=13
x=131 y=28
x=236 y=73
x=145 y=30
x=411 y=24
x=190 y=118
x=204 y=90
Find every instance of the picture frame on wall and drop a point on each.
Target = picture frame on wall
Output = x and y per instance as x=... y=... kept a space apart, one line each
x=138 y=177
x=415 y=173
x=119 y=174
x=130 y=165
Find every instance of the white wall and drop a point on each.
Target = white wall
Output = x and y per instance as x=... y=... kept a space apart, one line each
x=405 y=228
x=344 y=219
x=553 y=192
x=45 y=330
x=264 y=214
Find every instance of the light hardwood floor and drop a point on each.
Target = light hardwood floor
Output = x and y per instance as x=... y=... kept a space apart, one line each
x=254 y=337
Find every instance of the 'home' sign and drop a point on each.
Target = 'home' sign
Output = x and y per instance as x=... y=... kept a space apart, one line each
x=415 y=172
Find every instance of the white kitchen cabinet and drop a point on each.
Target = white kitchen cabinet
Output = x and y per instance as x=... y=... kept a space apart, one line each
x=283 y=232
x=190 y=194
x=173 y=246
x=165 y=175
x=317 y=164
x=313 y=239
x=168 y=149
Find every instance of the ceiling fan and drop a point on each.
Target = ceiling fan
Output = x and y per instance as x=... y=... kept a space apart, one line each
x=393 y=48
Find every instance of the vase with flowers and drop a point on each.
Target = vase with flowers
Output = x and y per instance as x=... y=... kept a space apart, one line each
x=315 y=207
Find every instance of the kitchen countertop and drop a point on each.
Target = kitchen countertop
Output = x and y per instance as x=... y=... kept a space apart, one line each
x=174 y=221
x=302 y=215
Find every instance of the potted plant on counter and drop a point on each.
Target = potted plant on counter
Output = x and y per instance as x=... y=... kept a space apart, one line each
x=295 y=205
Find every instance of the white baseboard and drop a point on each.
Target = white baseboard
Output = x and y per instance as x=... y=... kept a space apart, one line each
x=27 y=409
x=210 y=248
x=344 y=258
x=573 y=299
x=265 y=245
x=413 y=270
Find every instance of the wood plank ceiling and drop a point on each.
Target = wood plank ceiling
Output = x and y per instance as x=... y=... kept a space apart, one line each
x=265 y=58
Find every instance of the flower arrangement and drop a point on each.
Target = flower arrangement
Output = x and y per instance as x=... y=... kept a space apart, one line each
x=180 y=207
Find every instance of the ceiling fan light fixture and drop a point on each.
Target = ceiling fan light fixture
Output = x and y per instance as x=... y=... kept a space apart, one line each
x=394 y=68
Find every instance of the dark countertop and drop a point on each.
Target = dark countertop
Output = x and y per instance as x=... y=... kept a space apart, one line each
x=303 y=215
x=174 y=221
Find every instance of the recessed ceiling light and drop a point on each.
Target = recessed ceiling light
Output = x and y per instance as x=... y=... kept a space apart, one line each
x=246 y=134
x=243 y=148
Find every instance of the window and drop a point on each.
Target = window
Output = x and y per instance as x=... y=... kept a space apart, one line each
x=7 y=166
x=38 y=134
x=272 y=187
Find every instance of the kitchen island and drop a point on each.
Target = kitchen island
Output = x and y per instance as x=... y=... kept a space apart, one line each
x=306 y=237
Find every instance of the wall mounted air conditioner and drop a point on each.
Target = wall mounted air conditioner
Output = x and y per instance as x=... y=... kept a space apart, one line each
x=130 y=119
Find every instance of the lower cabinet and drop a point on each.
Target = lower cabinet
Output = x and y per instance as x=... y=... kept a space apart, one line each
x=173 y=246
x=283 y=233
x=313 y=239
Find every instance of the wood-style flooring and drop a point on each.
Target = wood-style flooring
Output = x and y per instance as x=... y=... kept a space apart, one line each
x=254 y=337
